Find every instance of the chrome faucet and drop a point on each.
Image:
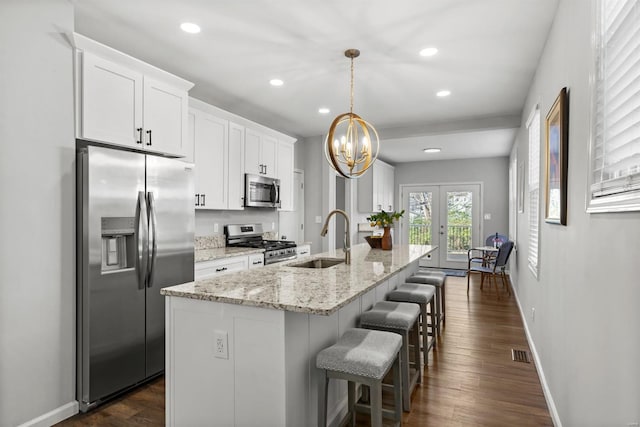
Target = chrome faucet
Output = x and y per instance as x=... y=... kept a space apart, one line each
x=347 y=233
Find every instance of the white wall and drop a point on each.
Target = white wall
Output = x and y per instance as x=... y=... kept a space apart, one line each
x=37 y=205
x=587 y=293
x=493 y=173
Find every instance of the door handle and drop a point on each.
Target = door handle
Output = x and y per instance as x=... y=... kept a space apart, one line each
x=142 y=239
x=153 y=234
x=149 y=133
x=139 y=141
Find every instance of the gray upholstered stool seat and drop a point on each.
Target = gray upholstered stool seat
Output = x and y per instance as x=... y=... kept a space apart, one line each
x=430 y=272
x=423 y=295
x=363 y=356
x=439 y=281
x=401 y=318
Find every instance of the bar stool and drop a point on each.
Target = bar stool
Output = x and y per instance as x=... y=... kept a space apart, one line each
x=439 y=281
x=362 y=356
x=401 y=318
x=422 y=295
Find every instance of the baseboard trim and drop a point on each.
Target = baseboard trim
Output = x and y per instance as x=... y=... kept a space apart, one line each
x=553 y=411
x=53 y=417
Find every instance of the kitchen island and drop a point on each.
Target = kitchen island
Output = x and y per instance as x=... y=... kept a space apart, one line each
x=240 y=349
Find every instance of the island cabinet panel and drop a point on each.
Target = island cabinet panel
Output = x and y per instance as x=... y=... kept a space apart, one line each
x=259 y=353
x=245 y=388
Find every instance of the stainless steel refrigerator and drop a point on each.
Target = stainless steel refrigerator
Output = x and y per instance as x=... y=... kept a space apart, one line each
x=135 y=228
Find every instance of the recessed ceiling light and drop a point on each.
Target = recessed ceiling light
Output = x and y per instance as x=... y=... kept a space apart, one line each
x=443 y=93
x=276 y=82
x=432 y=150
x=428 y=51
x=190 y=27
x=324 y=110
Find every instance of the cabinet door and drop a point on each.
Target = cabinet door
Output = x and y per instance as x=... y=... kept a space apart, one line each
x=211 y=145
x=252 y=143
x=111 y=102
x=285 y=175
x=165 y=118
x=378 y=187
x=220 y=267
x=387 y=187
x=256 y=260
x=236 y=167
x=268 y=156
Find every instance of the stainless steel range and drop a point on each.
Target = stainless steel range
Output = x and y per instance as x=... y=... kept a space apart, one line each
x=250 y=236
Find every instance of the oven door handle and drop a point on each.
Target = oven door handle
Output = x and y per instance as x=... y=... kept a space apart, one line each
x=294 y=256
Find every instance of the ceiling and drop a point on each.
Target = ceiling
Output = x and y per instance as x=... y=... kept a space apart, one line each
x=488 y=53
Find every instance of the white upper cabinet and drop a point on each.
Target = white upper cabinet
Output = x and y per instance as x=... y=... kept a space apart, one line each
x=376 y=188
x=236 y=167
x=260 y=153
x=285 y=175
x=164 y=111
x=211 y=148
x=124 y=101
x=114 y=92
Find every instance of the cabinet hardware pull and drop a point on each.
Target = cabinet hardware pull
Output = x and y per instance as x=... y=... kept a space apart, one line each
x=221 y=269
x=197 y=200
x=265 y=169
x=203 y=199
x=304 y=253
x=149 y=133
x=139 y=141
x=257 y=262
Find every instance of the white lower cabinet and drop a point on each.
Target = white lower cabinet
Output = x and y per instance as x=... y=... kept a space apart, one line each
x=256 y=260
x=219 y=267
x=303 y=251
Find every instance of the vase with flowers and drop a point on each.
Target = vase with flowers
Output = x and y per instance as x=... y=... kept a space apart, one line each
x=385 y=220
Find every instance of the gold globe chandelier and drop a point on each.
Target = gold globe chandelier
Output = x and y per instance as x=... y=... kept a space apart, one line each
x=352 y=144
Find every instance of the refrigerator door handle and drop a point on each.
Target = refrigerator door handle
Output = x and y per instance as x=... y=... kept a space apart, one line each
x=153 y=244
x=142 y=244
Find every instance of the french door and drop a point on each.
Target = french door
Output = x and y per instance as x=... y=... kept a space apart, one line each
x=447 y=216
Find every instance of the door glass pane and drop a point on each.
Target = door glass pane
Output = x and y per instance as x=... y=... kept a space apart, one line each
x=459 y=223
x=420 y=209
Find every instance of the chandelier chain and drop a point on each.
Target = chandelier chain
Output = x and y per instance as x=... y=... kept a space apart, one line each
x=351 y=102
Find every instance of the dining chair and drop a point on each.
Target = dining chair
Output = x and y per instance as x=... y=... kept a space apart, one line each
x=484 y=257
x=494 y=269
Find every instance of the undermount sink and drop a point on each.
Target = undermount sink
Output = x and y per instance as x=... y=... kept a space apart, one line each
x=319 y=263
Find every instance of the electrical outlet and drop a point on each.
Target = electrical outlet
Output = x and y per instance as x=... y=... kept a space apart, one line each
x=215 y=228
x=273 y=225
x=221 y=350
x=318 y=220
x=487 y=216
x=533 y=314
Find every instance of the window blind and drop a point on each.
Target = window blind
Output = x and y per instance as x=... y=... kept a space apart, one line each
x=615 y=157
x=533 y=126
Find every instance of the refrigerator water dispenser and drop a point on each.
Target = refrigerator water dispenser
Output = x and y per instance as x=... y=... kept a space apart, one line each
x=118 y=244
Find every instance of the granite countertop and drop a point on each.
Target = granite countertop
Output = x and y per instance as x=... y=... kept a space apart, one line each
x=316 y=291
x=224 y=252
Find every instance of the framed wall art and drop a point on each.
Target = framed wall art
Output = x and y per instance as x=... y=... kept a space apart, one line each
x=557 y=150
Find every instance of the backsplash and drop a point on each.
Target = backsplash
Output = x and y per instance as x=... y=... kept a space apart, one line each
x=209 y=242
x=206 y=221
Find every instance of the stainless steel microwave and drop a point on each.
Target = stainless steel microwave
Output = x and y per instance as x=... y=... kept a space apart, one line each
x=261 y=191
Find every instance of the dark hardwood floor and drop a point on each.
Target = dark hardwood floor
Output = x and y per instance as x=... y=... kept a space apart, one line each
x=471 y=379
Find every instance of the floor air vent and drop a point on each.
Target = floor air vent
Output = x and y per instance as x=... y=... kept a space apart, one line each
x=520 y=356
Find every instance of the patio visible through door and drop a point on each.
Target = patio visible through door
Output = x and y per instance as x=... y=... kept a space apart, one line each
x=444 y=215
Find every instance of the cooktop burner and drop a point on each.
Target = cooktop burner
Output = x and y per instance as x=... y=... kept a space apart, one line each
x=250 y=236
